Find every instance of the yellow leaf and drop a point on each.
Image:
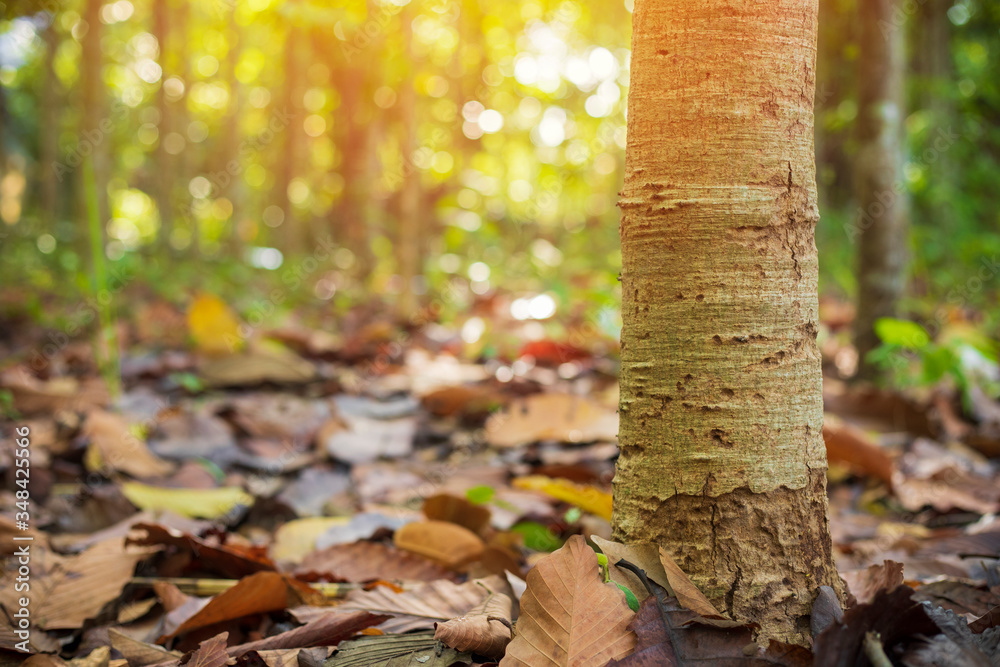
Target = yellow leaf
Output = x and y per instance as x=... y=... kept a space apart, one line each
x=201 y=503
x=588 y=498
x=213 y=326
x=294 y=540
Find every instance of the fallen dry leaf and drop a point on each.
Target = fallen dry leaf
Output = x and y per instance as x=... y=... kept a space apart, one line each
x=213 y=326
x=264 y=364
x=138 y=653
x=552 y=416
x=327 y=630
x=367 y=561
x=397 y=650
x=223 y=559
x=851 y=446
x=79 y=587
x=113 y=446
x=454 y=509
x=443 y=542
x=569 y=616
x=645 y=556
x=200 y=503
x=33 y=396
x=485 y=630
x=259 y=593
x=686 y=592
x=420 y=608
x=586 y=497
x=865 y=584
x=210 y=653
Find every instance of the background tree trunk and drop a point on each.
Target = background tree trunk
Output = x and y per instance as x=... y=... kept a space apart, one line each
x=48 y=140
x=722 y=457
x=164 y=177
x=881 y=229
x=97 y=126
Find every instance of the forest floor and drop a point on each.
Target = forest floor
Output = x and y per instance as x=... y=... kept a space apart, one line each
x=316 y=490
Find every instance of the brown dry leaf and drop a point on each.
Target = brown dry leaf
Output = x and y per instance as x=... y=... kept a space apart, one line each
x=454 y=509
x=113 y=446
x=422 y=607
x=99 y=657
x=77 y=588
x=485 y=630
x=210 y=653
x=562 y=417
x=227 y=560
x=259 y=593
x=139 y=654
x=849 y=445
x=864 y=584
x=33 y=396
x=264 y=364
x=465 y=400
x=443 y=542
x=698 y=644
x=328 y=630
x=366 y=561
x=687 y=593
x=569 y=616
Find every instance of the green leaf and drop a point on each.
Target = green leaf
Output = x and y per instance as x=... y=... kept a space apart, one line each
x=938 y=362
x=633 y=601
x=536 y=536
x=904 y=333
x=480 y=494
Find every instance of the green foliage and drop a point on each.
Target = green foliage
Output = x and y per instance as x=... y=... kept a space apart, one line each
x=537 y=536
x=909 y=357
x=481 y=494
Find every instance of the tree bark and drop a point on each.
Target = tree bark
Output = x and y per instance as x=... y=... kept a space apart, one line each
x=722 y=458
x=881 y=227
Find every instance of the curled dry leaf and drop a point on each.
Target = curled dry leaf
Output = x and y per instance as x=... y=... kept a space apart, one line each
x=569 y=616
x=443 y=542
x=210 y=653
x=687 y=593
x=845 y=444
x=138 y=653
x=366 y=561
x=485 y=630
x=562 y=417
x=327 y=630
x=454 y=509
x=864 y=584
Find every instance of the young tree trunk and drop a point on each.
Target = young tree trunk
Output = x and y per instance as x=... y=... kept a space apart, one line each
x=410 y=219
x=97 y=126
x=722 y=458
x=163 y=180
x=881 y=228
x=48 y=146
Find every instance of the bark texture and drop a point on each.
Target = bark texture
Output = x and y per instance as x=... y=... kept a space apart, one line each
x=722 y=458
x=881 y=227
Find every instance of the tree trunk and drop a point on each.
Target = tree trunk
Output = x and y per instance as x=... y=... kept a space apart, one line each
x=48 y=146
x=410 y=216
x=292 y=102
x=163 y=180
x=881 y=227
x=97 y=126
x=722 y=458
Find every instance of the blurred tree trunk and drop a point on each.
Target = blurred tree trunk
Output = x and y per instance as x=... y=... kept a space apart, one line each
x=881 y=228
x=356 y=142
x=291 y=100
x=161 y=160
x=234 y=188
x=48 y=140
x=97 y=125
x=410 y=216
x=722 y=457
